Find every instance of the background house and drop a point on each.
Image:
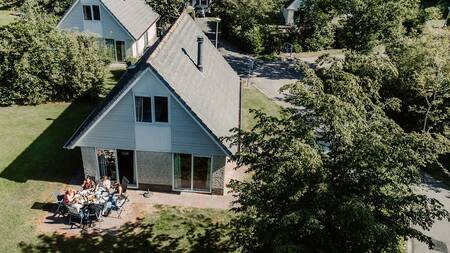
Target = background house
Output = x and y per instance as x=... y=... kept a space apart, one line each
x=289 y=11
x=161 y=124
x=126 y=27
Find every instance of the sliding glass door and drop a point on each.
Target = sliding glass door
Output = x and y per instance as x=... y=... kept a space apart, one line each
x=191 y=173
x=107 y=163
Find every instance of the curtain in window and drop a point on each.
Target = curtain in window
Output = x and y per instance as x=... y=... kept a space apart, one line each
x=139 y=108
x=101 y=163
x=177 y=171
x=208 y=176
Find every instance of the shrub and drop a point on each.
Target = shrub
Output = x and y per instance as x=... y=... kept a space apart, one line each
x=434 y=13
x=39 y=63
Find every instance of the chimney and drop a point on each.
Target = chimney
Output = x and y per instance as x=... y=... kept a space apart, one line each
x=200 y=53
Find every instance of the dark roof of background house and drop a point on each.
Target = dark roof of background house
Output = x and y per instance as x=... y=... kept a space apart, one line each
x=135 y=15
x=212 y=96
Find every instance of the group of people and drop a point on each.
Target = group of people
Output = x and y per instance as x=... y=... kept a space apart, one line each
x=73 y=198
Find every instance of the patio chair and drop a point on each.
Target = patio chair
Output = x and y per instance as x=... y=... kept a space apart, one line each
x=74 y=213
x=93 y=212
x=124 y=184
x=120 y=205
x=60 y=208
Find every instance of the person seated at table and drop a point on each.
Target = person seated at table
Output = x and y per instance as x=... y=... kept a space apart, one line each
x=69 y=196
x=71 y=200
x=88 y=183
x=104 y=183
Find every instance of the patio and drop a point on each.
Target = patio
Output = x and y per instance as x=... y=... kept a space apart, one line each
x=139 y=206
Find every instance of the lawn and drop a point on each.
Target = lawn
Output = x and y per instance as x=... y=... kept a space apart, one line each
x=170 y=229
x=254 y=99
x=33 y=163
x=5 y=17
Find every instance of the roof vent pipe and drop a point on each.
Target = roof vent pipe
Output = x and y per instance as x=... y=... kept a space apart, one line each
x=200 y=53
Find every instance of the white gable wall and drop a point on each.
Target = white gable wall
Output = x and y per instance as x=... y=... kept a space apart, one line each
x=119 y=130
x=107 y=27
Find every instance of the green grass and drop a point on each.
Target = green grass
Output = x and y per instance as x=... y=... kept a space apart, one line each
x=112 y=77
x=171 y=229
x=6 y=17
x=33 y=164
x=254 y=99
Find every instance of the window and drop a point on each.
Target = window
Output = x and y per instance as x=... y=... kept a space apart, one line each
x=96 y=11
x=87 y=12
x=191 y=173
x=161 y=109
x=143 y=107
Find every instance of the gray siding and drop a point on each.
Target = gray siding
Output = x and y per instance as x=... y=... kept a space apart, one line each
x=89 y=161
x=154 y=168
x=188 y=136
x=116 y=129
x=218 y=169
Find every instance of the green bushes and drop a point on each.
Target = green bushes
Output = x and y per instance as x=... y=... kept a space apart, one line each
x=39 y=63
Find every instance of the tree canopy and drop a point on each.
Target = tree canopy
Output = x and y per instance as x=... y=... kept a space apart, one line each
x=334 y=173
x=39 y=63
x=169 y=10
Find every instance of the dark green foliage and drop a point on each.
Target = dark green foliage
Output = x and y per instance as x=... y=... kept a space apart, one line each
x=422 y=83
x=314 y=27
x=169 y=10
x=339 y=175
x=245 y=22
x=39 y=63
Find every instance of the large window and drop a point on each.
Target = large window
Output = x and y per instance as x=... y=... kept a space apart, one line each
x=96 y=11
x=143 y=107
x=87 y=12
x=191 y=173
x=161 y=109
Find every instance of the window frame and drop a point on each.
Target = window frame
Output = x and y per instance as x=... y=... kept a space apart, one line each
x=154 y=109
x=153 y=116
x=151 y=109
x=193 y=155
x=85 y=16
x=93 y=13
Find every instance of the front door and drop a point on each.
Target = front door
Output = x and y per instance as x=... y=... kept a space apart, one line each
x=120 y=50
x=125 y=162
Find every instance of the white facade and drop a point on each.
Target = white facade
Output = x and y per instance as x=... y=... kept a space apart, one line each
x=121 y=42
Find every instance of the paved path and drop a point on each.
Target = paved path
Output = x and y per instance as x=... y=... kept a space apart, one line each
x=268 y=77
x=440 y=232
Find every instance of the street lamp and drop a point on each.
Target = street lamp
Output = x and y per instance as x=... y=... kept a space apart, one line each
x=217 y=20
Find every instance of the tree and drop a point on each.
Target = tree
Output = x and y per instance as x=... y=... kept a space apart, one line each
x=314 y=28
x=169 y=10
x=423 y=83
x=334 y=173
x=244 y=21
x=39 y=63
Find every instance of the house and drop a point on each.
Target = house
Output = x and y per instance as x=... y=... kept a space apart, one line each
x=289 y=11
x=126 y=27
x=160 y=126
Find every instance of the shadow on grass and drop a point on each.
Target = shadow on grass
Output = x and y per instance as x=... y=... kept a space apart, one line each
x=139 y=236
x=45 y=159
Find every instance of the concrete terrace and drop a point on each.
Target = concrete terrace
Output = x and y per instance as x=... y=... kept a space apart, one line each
x=140 y=207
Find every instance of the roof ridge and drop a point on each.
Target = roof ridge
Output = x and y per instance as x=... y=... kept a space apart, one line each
x=168 y=35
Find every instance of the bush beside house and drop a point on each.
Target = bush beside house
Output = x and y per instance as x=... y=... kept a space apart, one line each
x=39 y=63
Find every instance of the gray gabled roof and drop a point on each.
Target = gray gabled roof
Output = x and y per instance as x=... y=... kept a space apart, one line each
x=136 y=16
x=211 y=96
